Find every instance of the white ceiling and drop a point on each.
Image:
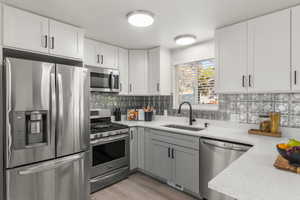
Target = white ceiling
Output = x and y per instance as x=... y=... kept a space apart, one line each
x=105 y=20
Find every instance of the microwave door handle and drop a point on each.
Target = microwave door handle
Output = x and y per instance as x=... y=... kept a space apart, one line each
x=112 y=82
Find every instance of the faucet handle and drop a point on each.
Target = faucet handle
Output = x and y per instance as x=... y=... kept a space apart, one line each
x=206 y=124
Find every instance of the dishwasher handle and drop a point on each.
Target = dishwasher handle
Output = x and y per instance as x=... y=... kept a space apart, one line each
x=243 y=149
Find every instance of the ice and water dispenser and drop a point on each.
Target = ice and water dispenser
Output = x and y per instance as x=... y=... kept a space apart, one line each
x=30 y=128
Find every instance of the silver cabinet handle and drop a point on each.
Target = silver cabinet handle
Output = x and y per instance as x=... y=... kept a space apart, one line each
x=243 y=81
x=157 y=87
x=295 y=77
x=250 y=79
x=52 y=42
x=227 y=148
x=102 y=59
x=120 y=87
x=131 y=135
x=130 y=87
x=172 y=153
x=169 y=152
x=50 y=165
x=98 y=58
x=8 y=107
x=46 y=41
x=60 y=110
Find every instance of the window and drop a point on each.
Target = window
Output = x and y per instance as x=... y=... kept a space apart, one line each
x=195 y=83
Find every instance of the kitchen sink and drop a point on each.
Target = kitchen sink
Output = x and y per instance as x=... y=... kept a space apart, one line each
x=188 y=128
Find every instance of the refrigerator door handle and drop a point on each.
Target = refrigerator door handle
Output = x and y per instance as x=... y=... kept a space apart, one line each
x=50 y=166
x=60 y=111
x=53 y=106
x=8 y=107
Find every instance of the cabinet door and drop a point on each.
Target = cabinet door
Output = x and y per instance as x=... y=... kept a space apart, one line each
x=295 y=48
x=108 y=56
x=141 y=148
x=138 y=72
x=90 y=53
x=231 y=54
x=23 y=30
x=161 y=161
x=186 y=168
x=64 y=40
x=133 y=149
x=123 y=67
x=154 y=71
x=269 y=53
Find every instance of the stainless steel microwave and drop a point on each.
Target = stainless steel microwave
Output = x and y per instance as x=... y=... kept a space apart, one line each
x=104 y=80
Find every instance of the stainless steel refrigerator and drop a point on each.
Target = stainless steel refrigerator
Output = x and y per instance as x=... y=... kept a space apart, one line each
x=46 y=130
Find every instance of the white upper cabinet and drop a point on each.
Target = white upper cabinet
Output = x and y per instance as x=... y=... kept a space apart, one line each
x=24 y=30
x=159 y=71
x=91 y=53
x=154 y=71
x=123 y=67
x=27 y=31
x=138 y=70
x=231 y=54
x=98 y=54
x=108 y=56
x=66 y=40
x=269 y=52
x=295 y=49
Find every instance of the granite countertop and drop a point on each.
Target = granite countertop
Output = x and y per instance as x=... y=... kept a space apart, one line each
x=252 y=176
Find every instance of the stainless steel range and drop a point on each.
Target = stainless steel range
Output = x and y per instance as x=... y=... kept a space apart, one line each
x=109 y=150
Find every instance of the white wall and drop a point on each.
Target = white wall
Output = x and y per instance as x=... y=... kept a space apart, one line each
x=196 y=52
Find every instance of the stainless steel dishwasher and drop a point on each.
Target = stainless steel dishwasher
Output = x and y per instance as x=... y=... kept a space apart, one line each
x=215 y=156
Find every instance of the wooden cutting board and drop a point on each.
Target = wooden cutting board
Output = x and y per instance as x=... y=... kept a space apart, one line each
x=258 y=132
x=283 y=164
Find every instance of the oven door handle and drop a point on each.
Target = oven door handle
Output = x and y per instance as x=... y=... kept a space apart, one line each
x=109 y=139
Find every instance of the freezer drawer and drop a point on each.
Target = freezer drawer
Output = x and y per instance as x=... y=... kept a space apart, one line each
x=60 y=179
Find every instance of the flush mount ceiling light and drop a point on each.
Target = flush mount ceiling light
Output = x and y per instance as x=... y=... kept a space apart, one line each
x=140 y=18
x=185 y=39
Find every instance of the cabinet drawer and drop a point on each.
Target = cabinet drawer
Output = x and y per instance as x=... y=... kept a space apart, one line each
x=174 y=138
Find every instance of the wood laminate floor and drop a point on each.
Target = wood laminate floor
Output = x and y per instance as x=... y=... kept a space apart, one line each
x=140 y=187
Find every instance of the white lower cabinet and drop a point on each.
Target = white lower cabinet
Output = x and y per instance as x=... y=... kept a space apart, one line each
x=133 y=148
x=186 y=168
x=160 y=159
x=173 y=158
x=141 y=148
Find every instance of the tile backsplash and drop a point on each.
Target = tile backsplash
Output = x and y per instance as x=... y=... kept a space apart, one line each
x=243 y=108
x=110 y=101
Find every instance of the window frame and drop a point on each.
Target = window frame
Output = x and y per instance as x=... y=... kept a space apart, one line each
x=206 y=107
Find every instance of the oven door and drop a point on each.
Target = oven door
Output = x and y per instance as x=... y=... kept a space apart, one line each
x=101 y=79
x=109 y=153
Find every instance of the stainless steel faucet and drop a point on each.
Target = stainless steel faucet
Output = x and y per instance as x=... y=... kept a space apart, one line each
x=191 y=111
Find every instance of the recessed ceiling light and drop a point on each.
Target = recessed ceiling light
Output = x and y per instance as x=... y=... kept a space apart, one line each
x=185 y=39
x=140 y=18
